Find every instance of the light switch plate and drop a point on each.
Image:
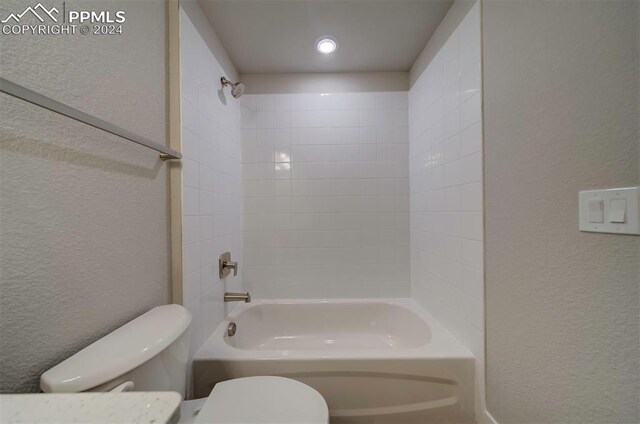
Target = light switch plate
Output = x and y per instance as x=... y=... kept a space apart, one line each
x=631 y=224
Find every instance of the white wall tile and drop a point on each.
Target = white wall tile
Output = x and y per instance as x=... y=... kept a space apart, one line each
x=471 y=139
x=212 y=203
x=473 y=311
x=472 y=225
x=333 y=191
x=473 y=338
x=473 y=282
x=472 y=253
x=445 y=157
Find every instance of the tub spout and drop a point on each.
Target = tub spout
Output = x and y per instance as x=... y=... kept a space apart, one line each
x=237 y=297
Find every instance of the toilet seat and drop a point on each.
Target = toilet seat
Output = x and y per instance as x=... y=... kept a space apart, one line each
x=259 y=400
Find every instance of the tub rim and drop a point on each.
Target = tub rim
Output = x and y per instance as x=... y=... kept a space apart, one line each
x=442 y=344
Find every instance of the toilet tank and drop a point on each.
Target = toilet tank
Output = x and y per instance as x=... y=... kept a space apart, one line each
x=149 y=353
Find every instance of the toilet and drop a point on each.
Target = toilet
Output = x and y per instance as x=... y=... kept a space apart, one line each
x=150 y=353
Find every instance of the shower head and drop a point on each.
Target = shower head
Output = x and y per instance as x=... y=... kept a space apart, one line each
x=237 y=88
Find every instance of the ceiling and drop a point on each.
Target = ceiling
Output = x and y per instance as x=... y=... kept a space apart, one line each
x=277 y=36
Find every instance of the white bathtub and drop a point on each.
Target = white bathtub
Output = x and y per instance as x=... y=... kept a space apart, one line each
x=374 y=361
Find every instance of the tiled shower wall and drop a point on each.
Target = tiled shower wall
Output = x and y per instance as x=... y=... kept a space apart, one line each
x=326 y=195
x=446 y=187
x=212 y=205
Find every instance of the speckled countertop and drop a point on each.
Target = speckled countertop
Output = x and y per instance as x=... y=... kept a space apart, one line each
x=86 y=408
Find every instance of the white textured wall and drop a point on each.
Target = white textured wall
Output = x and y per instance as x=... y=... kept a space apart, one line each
x=200 y=21
x=212 y=204
x=445 y=106
x=447 y=26
x=561 y=105
x=326 y=195
x=83 y=214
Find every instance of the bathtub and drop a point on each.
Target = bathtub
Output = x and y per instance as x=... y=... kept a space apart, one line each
x=374 y=361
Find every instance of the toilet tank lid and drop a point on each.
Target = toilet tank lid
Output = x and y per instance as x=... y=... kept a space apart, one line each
x=118 y=352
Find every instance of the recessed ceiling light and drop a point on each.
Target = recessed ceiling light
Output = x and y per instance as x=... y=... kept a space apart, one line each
x=326 y=44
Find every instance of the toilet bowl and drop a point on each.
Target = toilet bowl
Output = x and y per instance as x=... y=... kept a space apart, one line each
x=257 y=400
x=150 y=353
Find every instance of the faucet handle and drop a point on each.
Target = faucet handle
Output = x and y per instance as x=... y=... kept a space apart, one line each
x=231 y=265
x=225 y=265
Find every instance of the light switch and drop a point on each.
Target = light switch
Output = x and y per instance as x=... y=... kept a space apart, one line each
x=618 y=210
x=596 y=210
x=612 y=210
